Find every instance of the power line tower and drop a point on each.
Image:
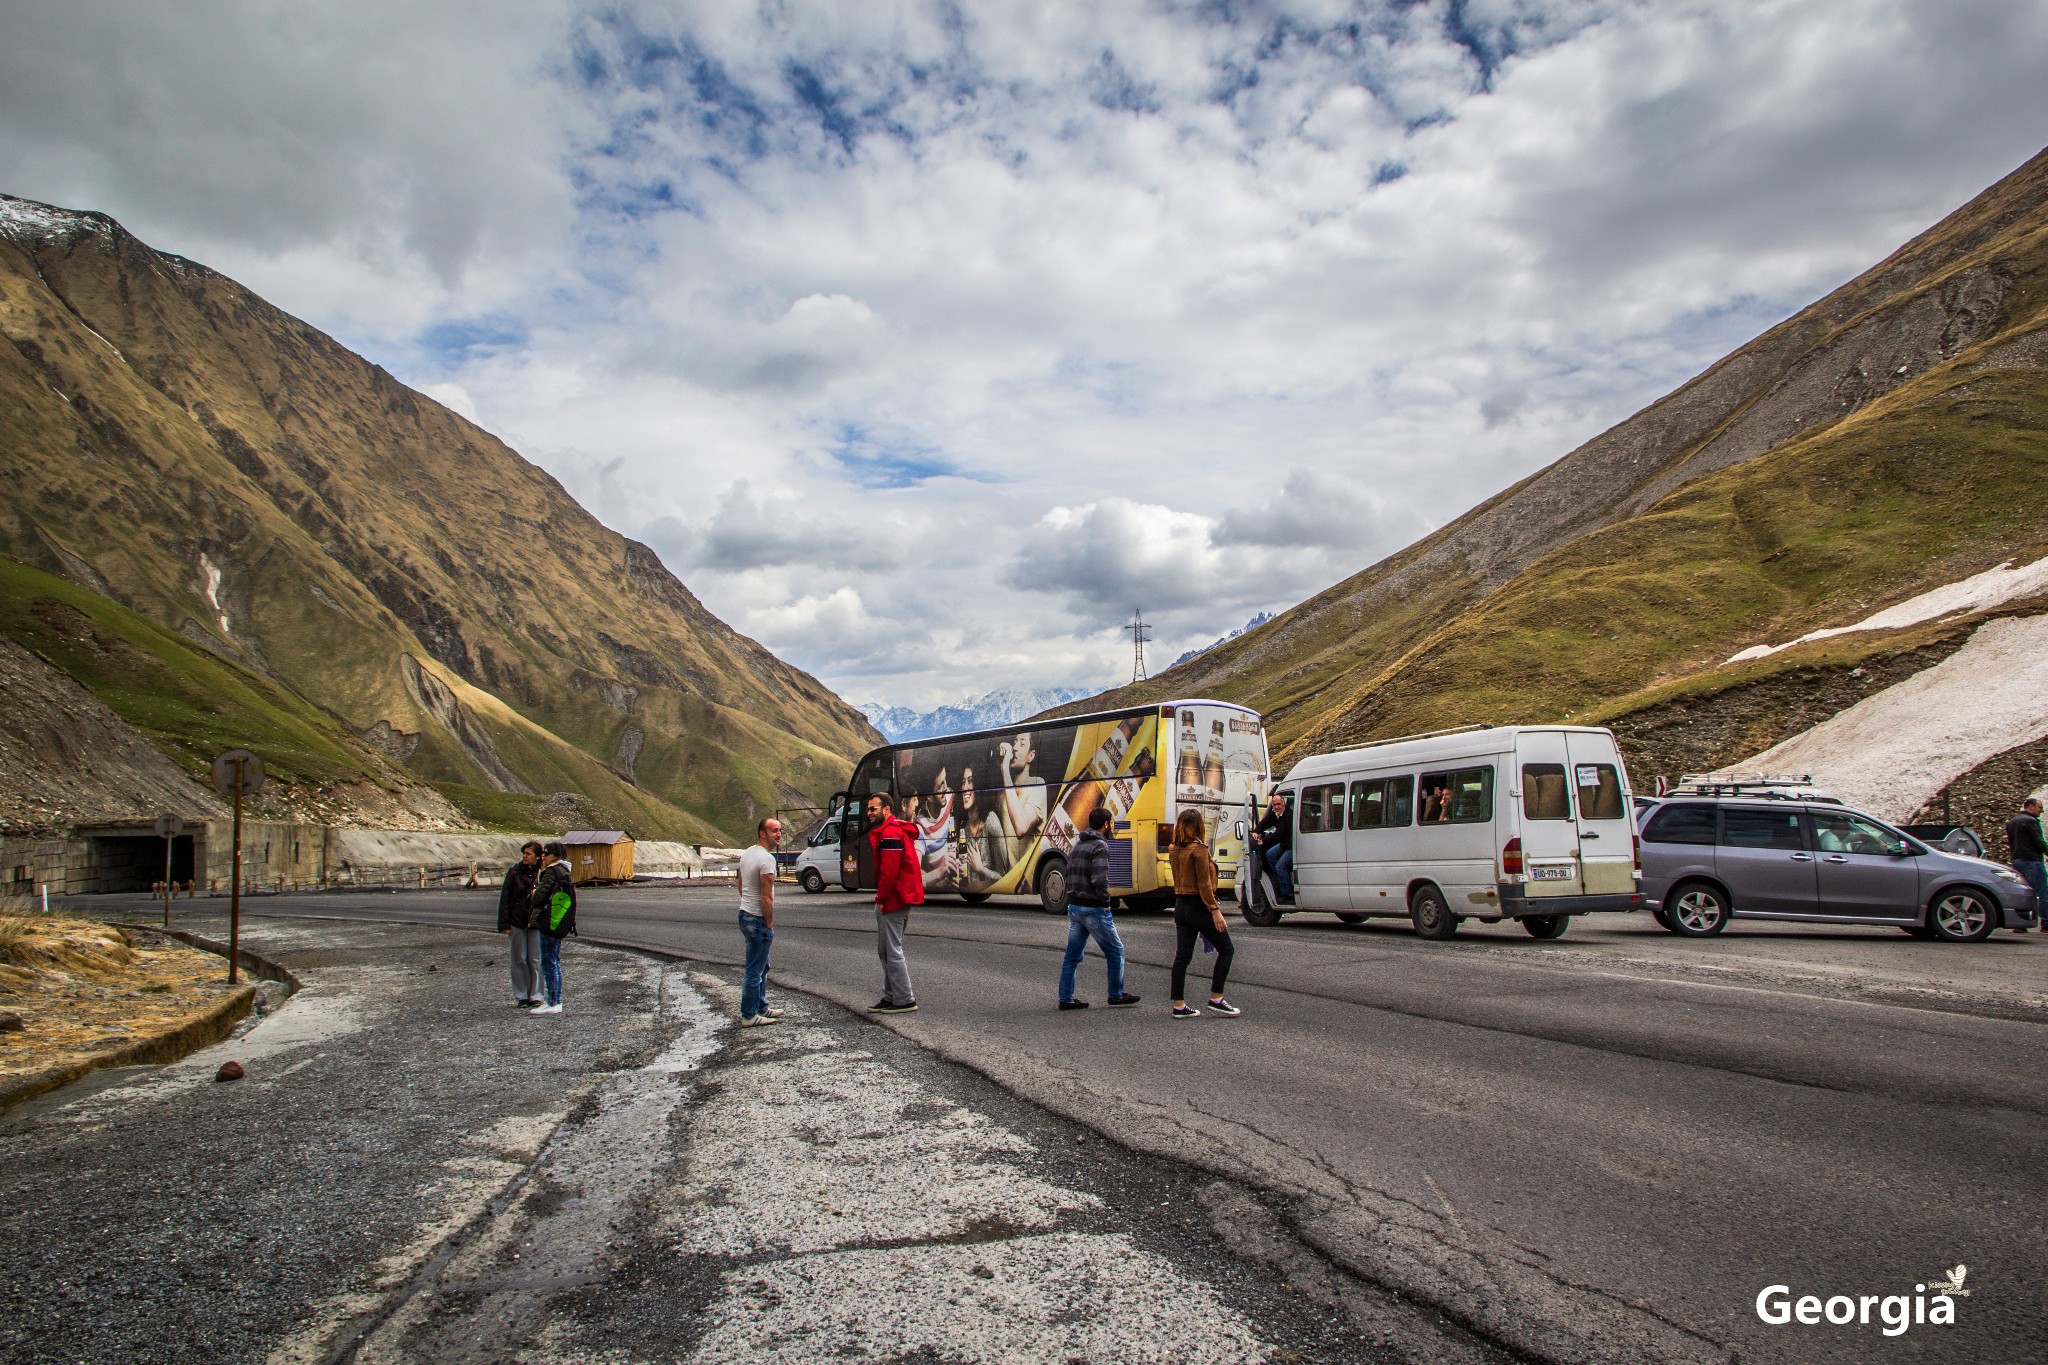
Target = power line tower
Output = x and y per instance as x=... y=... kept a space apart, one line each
x=1139 y=633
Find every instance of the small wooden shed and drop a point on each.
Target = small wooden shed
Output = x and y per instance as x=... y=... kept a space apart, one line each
x=599 y=855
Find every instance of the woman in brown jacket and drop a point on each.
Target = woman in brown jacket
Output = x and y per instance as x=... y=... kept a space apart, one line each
x=1196 y=914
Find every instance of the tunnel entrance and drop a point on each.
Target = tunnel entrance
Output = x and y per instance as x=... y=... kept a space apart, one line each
x=135 y=862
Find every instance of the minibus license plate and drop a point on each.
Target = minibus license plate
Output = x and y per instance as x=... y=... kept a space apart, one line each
x=1550 y=874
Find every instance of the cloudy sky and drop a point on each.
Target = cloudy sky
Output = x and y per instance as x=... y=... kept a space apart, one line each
x=926 y=340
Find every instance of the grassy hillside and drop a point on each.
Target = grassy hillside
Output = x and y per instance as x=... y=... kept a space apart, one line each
x=1891 y=437
x=244 y=482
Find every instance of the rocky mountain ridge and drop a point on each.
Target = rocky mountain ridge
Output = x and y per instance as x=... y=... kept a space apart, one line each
x=185 y=449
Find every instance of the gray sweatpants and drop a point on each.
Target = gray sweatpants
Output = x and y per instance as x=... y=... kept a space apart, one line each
x=889 y=947
x=525 y=950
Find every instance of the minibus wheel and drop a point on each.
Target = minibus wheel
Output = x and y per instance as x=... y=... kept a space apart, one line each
x=1261 y=912
x=1546 y=926
x=813 y=880
x=1433 y=918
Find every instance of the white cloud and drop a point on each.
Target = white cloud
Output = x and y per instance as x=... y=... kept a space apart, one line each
x=926 y=341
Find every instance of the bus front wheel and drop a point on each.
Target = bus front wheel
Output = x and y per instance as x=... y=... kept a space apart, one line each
x=1433 y=918
x=1052 y=886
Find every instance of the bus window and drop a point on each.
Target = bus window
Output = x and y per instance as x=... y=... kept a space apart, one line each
x=1458 y=798
x=1311 y=810
x=1368 y=805
x=1543 y=792
x=1400 y=800
x=1599 y=791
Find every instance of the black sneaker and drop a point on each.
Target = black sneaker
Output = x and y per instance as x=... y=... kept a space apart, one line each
x=1221 y=1006
x=1075 y=1004
x=1186 y=1012
x=1120 y=1001
x=884 y=1007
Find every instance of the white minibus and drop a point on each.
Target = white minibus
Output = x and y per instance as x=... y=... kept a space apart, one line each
x=1527 y=822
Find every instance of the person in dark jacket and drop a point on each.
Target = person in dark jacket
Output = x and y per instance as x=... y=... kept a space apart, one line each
x=515 y=924
x=1274 y=839
x=2027 y=850
x=1088 y=914
x=899 y=884
x=553 y=909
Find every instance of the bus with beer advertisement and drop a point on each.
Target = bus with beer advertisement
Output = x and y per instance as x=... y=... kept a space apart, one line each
x=997 y=811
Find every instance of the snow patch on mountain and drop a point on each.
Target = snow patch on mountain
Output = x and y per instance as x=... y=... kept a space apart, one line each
x=1004 y=706
x=1979 y=592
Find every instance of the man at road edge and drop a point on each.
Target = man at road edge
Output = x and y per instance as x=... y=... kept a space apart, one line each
x=899 y=884
x=2027 y=850
x=757 y=921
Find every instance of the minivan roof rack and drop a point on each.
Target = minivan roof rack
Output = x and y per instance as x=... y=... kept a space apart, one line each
x=1426 y=734
x=1758 y=786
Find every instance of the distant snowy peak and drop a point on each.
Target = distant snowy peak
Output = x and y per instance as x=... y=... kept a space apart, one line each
x=1005 y=706
x=1248 y=626
x=25 y=219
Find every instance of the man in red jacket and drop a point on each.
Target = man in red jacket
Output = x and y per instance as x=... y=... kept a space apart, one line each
x=899 y=884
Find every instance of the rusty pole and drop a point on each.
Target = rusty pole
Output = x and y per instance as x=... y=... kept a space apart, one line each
x=235 y=890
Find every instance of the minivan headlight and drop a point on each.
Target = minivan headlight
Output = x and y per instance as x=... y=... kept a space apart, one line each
x=2011 y=875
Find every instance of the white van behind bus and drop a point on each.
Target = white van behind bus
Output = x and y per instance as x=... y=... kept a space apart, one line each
x=1526 y=822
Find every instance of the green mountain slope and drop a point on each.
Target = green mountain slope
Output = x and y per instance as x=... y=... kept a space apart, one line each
x=242 y=480
x=1891 y=437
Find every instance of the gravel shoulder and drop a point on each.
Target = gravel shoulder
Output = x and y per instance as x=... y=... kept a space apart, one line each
x=413 y=1169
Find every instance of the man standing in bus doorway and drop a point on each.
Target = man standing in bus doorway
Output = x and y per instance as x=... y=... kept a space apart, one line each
x=899 y=884
x=1088 y=913
x=757 y=921
x=1276 y=846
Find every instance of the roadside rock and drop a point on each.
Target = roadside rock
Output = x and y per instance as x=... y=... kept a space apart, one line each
x=229 y=1071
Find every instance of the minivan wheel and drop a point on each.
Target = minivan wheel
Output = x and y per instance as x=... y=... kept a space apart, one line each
x=1696 y=910
x=1052 y=886
x=813 y=880
x=1546 y=926
x=1433 y=919
x=1263 y=912
x=1962 y=916
x=1350 y=918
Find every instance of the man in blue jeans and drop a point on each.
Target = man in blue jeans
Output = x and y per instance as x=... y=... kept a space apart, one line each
x=2026 y=849
x=757 y=921
x=1274 y=839
x=1088 y=913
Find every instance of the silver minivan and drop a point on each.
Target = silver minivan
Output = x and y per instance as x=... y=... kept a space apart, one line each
x=1708 y=858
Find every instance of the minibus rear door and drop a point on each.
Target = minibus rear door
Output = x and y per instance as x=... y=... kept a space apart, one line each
x=1600 y=796
x=1549 y=834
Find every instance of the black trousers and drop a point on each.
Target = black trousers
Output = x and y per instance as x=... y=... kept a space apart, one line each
x=1192 y=920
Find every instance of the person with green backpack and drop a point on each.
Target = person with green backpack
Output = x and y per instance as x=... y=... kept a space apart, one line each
x=552 y=907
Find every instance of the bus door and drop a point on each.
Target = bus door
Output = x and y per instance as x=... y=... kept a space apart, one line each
x=1549 y=833
x=1607 y=854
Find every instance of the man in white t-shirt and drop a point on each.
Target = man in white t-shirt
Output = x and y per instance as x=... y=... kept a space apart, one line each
x=757 y=921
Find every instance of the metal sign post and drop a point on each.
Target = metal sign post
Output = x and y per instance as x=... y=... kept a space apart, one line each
x=237 y=773
x=168 y=828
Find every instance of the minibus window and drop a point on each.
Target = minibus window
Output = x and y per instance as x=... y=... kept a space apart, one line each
x=1400 y=807
x=1458 y=798
x=1311 y=810
x=1599 y=791
x=1543 y=792
x=1368 y=805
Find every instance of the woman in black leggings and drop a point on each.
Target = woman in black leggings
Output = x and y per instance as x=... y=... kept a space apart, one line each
x=1196 y=914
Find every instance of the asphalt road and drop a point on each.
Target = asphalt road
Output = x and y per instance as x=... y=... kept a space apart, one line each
x=1600 y=1148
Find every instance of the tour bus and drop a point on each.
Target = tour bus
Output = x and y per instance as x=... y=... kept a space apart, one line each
x=1526 y=822
x=998 y=810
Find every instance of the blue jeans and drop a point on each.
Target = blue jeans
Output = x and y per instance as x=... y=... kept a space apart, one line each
x=1280 y=863
x=1085 y=922
x=551 y=967
x=754 y=975
x=2036 y=874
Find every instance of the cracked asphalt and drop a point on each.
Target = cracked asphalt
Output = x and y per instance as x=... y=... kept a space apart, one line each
x=1599 y=1148
x=414 y=1170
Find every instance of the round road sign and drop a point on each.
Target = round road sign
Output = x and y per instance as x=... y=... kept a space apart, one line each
x=238 y=768
x=169 y=827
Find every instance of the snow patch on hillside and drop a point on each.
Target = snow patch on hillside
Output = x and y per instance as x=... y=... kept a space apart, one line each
x=1891 y=752
x=25 y=218
x=1979 y=592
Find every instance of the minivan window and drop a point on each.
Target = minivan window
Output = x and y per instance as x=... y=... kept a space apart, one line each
x=1690 y=823
x=1322 y=808
x=1382 y=803
x=1599 y=790
x=1457 y=798
x=1761 y=829
x=1543 y=792
x=1837 y=831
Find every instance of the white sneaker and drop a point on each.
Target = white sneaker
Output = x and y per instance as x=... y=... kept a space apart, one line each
x=756 y=1020
x=549 y=1009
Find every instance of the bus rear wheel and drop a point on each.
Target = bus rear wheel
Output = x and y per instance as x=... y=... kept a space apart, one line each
x=974 y=897
x=1433 y=918
x=1052 y=885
